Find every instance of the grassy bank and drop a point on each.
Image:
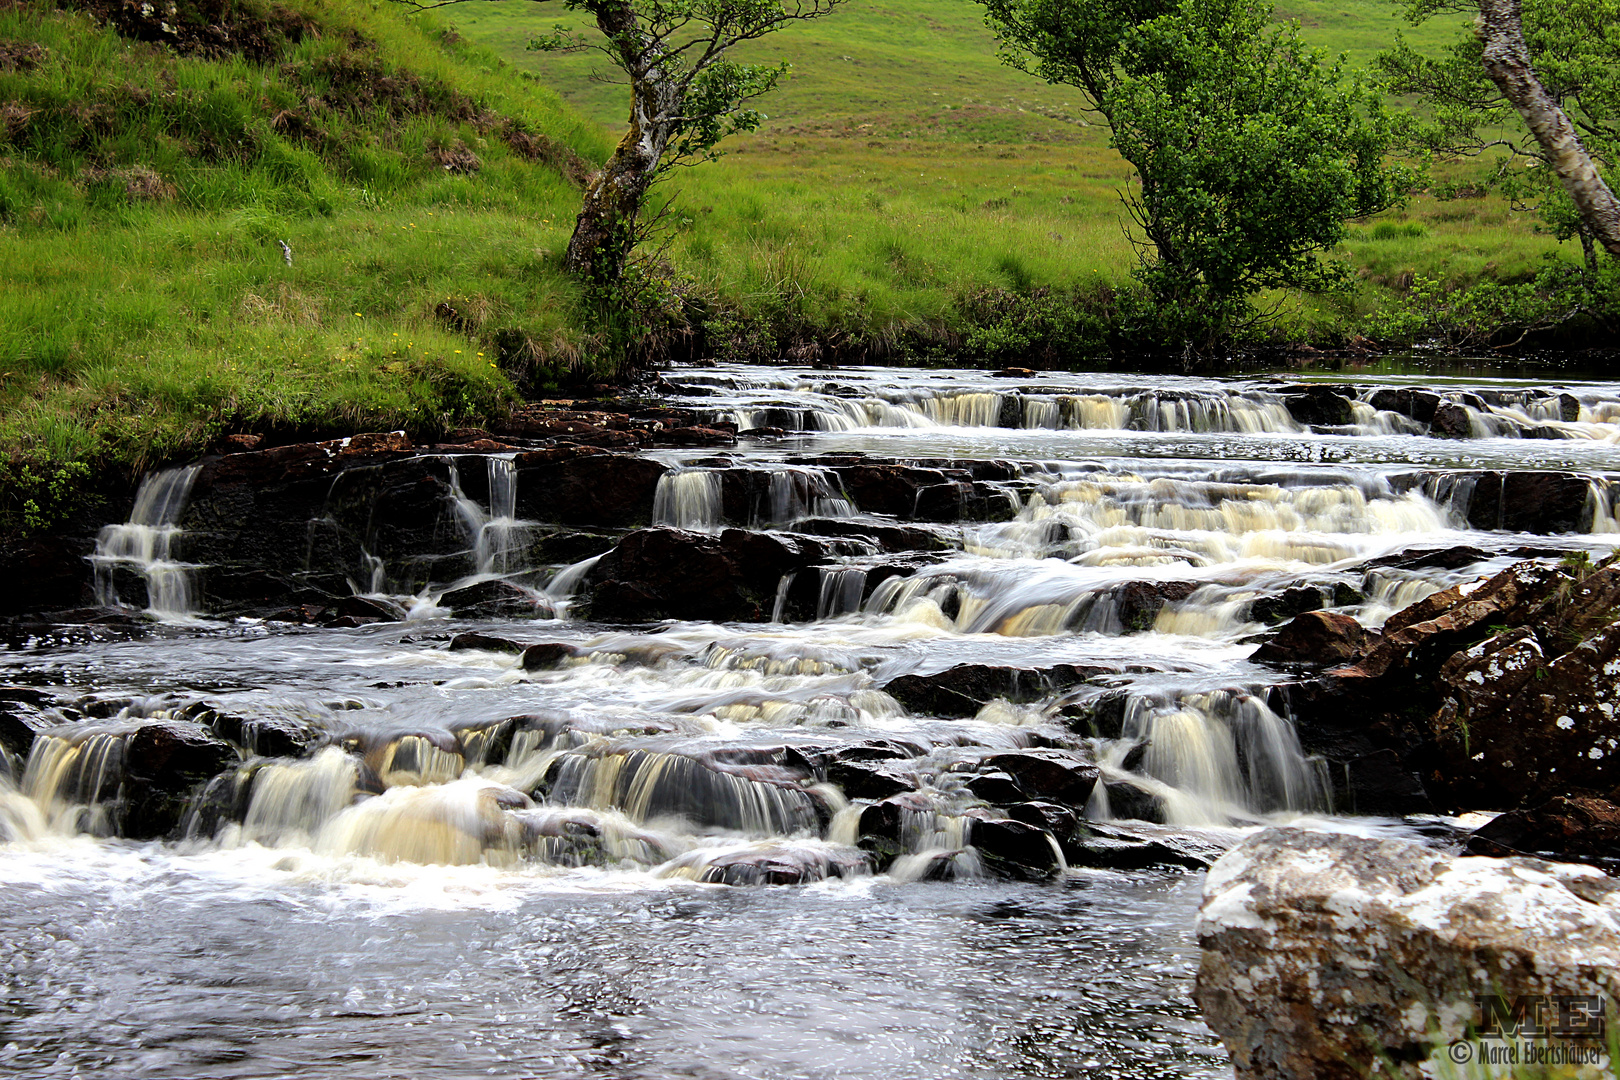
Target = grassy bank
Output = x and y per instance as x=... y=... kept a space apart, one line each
x=147 y=188
x=904 y=167
x=911 y=198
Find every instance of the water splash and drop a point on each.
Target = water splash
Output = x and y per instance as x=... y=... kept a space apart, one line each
x=145 y=544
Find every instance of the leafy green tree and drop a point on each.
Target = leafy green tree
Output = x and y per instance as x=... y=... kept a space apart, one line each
x=1536 y=83
x=686 y=95
x=1251 y=150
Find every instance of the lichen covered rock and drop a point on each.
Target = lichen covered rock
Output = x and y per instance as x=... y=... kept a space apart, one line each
x=1332 y=957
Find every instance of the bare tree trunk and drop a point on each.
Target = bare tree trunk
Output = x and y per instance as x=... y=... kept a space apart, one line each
x=1507 y=62
x=605 y=232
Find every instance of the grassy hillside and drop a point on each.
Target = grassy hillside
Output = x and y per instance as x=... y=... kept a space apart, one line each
x=910 y=194
x=903 y=164
x=148 y=177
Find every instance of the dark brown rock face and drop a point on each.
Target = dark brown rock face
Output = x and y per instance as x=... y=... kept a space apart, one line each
x=164 y=765
x=1316 y=638
x=673 y=574
x=1539 y=502
x=1564 y=830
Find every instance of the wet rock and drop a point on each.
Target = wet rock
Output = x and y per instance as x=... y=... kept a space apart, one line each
x=1316 y=638
x=673 y=574
x=18 y=726
x=1319 y=407
x=1419 y=405
x=484 y=643
x=895 y=539
x=493 y=600
x=887 y=488
x=548 y=655
x=45 y=573
x=1449 y=558
x=612 y=491
x=1012 y=848
x=885 y=828
x=1119 y=846
x=1048 y=775
x=1063 y=823
x=963 y=690
x=1564 y=830
x=870 y=779
x=1536 y=502
x=1101 y=716
x=1379 y=783
x=1272 y=610
x=1451 y=422
x=364 y=607
x=164 y=765
x=1324 y=952
x=995 y=788
x=1128 y=802
x=784 y=864
x=693 y=436
x=266 y=736
x=1138 y=603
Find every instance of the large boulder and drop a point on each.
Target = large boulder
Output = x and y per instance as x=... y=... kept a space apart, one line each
x=1316 y=638
x=1327 y=957
x=674 y=574
x=1568 y=830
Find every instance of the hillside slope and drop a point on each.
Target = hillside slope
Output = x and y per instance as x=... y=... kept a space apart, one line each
x=151 y=167
x=903 y=165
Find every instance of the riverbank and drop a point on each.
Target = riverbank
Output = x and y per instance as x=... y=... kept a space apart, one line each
x=424 y=191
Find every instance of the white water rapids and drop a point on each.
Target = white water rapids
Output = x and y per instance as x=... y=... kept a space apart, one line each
x=478 y=868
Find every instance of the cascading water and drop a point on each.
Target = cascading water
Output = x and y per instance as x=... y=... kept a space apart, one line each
x=557 y=840
x=145 y=544
x=495 y=533
x=688 y=499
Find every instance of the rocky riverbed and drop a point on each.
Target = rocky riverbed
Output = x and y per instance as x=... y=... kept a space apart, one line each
x=985 y=669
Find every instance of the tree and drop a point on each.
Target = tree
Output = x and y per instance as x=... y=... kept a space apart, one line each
x=686 y=95
x=1250 y=150
x=1552 y=64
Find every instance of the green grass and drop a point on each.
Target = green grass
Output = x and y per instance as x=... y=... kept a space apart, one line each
x=903 y=163
x=905 y=186
x=143 y=197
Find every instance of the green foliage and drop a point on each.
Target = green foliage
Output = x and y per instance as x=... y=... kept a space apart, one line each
x=39 y=494
x=1491 y=313
x=1575 y=50
x=1251 y=150
x=145 y=190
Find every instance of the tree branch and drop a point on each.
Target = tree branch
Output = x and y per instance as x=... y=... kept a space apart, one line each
x=1507 y=62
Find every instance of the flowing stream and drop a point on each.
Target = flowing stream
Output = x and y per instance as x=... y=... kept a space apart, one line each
x=437 y=862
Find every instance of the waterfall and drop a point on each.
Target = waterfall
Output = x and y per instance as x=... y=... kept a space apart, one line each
x=841 y=591
x=145 y=544
x=799 y=492
x=561 y=589
x=689 y=499
x=495 y=534
x=1217 y=757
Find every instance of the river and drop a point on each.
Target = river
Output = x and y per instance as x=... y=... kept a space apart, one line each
x=436 y=889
